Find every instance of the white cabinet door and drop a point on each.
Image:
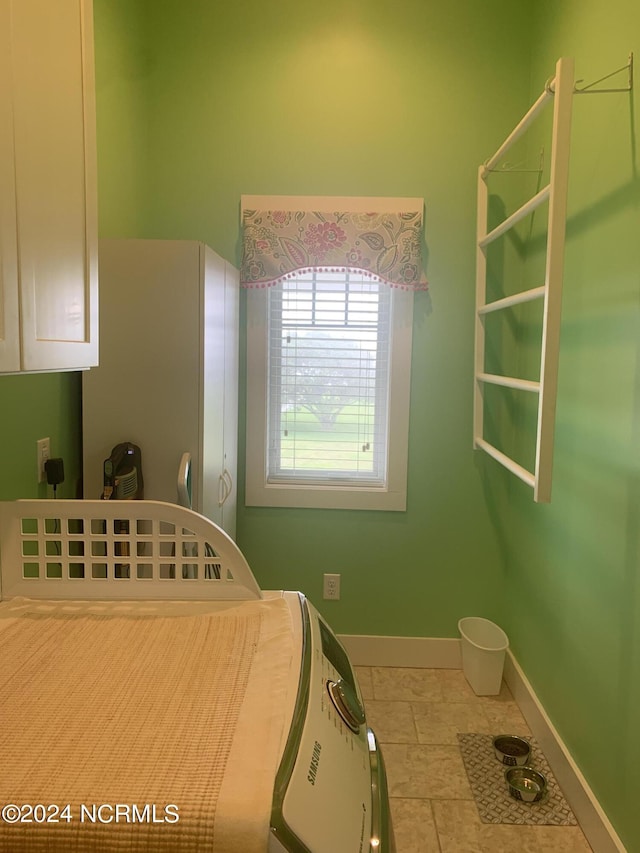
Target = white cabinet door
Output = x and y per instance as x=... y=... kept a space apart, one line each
x=213 y=484
x=9 y=314
x=231 y=366
x=220 y=391
x=52 y=87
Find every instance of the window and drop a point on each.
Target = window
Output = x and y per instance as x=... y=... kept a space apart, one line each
x=328 y=392
x=328 y=380
x=330 y=315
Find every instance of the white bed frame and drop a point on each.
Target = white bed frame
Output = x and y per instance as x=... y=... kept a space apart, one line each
x=91 y=549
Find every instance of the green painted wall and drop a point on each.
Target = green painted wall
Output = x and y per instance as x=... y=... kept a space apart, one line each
x=367 y=99
x=122 y=77
x=32 y=407
x=572 y=568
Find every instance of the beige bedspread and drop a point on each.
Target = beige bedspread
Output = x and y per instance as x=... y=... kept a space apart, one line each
x=135 y=714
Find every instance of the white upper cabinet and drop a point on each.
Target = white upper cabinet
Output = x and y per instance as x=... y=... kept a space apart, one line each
x=48 y=216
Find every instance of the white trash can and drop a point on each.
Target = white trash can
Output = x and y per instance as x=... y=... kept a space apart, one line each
x=483 y=646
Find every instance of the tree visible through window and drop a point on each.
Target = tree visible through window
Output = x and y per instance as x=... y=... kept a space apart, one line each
x=328 y=378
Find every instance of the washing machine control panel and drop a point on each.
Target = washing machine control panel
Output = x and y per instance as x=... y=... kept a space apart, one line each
x=342 y=686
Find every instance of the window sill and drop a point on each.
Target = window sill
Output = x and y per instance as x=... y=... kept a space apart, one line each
x=326 y=497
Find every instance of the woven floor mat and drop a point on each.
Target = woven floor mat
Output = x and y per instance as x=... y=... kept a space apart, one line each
x=495 y=804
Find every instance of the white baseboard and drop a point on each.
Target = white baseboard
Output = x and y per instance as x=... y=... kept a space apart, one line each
x=594 y=823
x=420 y=652
x=442 y=653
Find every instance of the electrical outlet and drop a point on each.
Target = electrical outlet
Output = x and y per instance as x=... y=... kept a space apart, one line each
x=331 y=589
x=44 y=452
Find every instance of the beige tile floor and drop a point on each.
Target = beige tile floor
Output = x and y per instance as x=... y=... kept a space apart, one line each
x=416 y=714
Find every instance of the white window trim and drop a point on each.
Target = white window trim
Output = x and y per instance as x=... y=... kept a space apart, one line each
x=258 y=491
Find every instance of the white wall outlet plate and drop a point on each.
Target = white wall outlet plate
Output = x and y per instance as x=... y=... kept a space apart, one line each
x=331 y=587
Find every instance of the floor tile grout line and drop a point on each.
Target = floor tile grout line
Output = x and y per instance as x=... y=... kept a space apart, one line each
x=435 y=825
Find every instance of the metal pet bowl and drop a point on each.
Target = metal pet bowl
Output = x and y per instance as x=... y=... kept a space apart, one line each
x=525 y=784
x=512 y=750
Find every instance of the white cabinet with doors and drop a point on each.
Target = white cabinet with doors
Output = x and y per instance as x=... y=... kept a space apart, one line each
x=168 y=374
x=48 y=215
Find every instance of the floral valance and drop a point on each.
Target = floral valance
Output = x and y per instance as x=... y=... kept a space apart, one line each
x=283 y=236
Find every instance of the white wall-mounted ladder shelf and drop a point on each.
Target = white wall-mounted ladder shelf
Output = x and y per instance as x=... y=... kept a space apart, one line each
x=558 y=91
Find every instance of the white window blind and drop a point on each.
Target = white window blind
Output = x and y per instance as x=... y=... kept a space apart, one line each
x=328 y=380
